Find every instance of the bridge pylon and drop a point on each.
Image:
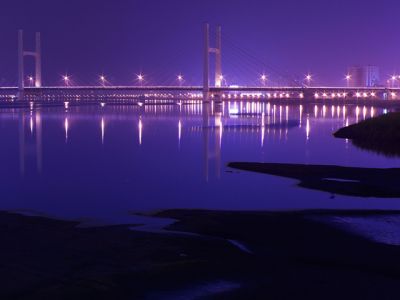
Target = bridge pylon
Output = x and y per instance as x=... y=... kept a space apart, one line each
x=218 y=58
x=38 y=62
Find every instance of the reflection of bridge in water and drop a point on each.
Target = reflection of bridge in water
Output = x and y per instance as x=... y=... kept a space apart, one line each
x=213 y=123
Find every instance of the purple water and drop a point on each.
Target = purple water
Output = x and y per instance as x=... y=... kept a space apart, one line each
x=102 y=163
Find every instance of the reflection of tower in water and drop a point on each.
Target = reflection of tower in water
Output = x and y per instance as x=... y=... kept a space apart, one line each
x=212 y=137
x=30 y=142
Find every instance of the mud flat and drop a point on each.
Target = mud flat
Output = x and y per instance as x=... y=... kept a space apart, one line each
x=290 y=255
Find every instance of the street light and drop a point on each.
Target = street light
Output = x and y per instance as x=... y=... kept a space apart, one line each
x=308 y=79
x=103 y=80
x=30 y=78
x=348 y=78
x=222 y=78
x=66 y=80
x=263 y=79
x=140 y=78
x=180 y=79
x=394 y=78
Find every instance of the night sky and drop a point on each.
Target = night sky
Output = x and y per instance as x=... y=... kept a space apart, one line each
x=164 y=38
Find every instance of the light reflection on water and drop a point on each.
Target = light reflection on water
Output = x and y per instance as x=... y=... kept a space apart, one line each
x=103 y=162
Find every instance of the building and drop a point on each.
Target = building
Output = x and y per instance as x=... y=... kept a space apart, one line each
x=363 y=76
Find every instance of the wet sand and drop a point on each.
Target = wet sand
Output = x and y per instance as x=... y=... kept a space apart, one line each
x=291 y=255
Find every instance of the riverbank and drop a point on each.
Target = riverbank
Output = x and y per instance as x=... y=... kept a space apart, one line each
x=290 y=255
x=380 y=134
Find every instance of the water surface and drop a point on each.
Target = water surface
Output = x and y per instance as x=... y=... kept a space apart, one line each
x=93 y=162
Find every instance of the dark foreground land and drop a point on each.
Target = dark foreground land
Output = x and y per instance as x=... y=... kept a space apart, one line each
x=351 y=181
x=380 y=134
x=280 y=256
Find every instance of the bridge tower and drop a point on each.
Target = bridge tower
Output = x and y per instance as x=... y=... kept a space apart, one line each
x=38 y=61
x=218 y=58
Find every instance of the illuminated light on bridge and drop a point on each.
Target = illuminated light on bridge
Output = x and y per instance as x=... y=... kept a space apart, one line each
x=348 y=78
x=263 y=78
x=66 y=80
x=308 y=79
x=31 y=105
x=180 y=79
x=102 y=104
x=373 y=94
x=233 y=110
x=358 y=94
x=31 y=80
x=140 y=78
x=66 y=105
x=103 y=80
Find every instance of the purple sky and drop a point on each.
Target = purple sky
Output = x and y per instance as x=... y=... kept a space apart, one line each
x=164 y=38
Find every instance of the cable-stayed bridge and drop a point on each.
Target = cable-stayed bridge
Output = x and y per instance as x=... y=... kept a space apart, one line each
x=214 y=87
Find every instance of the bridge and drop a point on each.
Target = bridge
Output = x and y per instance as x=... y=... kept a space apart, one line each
x=206 y=92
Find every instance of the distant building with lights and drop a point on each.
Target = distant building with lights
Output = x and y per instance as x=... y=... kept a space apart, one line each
x=364 y=76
